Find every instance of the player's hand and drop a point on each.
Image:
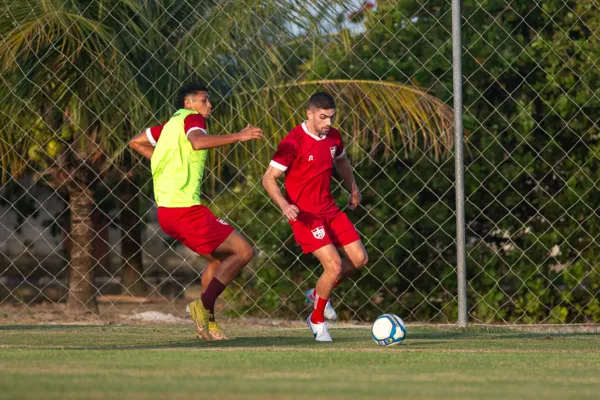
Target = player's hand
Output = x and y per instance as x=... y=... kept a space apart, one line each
x=249 y=133
x=290 y=211
x=354 y=200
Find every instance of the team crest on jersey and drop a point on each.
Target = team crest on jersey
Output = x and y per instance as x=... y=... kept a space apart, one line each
x=222 y=222
x=318 y=233
x=332 y=149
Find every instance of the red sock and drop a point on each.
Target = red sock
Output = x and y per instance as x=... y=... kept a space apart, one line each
x=209 y=297
x=317 y=315
x=211 y=316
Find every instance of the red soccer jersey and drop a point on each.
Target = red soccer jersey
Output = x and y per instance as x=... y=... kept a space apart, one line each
x=308 y=164
x=192 y=121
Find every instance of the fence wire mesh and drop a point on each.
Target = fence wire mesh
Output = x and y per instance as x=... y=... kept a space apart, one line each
x=78 y=229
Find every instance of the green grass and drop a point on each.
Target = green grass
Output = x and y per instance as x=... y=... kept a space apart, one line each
x=62 y=362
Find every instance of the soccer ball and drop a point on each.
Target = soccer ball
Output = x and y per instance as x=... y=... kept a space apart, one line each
x=388 y=330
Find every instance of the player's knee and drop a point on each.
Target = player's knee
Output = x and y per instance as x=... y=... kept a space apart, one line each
x=362 y=260
x=333 y=267
x=246 y=253
x=213 y=264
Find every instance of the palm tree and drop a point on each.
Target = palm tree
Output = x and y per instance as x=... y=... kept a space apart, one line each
x=267 y=85
x=93 y=72
x=65 y=78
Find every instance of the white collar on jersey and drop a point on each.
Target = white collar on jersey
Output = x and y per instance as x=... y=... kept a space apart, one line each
x=305 y=127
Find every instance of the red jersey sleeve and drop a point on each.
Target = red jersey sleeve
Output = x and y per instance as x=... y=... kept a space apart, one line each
x=153 y=133
x=340 y=150
x=285 y=154
x=194 y=121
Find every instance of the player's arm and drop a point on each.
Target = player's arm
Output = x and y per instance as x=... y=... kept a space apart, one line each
x=344 y=169
x=269 y=182
x=142 y=145
x=201 y=141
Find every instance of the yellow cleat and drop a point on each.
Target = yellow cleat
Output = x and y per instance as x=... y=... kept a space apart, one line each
x=200 y=316
x=216 y=332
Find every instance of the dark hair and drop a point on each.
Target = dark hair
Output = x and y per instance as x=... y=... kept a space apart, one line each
x=186 y=90
x=322 y=101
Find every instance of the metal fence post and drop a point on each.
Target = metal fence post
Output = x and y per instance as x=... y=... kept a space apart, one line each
x=459 y=163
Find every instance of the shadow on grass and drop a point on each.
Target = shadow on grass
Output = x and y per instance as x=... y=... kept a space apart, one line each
x=259 y=343
x=491 y=335
x=344 y=340
x=256 y=343
x=88 y=327
x=51 y=327
x=95 y=338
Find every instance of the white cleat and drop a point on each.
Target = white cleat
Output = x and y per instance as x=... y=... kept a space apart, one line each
x=319 y=331
x=329 y=312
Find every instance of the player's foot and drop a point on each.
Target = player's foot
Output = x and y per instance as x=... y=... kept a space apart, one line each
x=200 y=316
x=216 y=332
x=329 y=312
x=319 y=331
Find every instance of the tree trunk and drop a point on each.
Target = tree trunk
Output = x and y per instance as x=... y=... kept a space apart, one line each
x=131 y=242
x=82 y=293
x=101 y=245
x=64 y=220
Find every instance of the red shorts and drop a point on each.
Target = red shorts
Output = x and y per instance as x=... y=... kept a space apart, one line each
x=196 y=227
x=313 y=232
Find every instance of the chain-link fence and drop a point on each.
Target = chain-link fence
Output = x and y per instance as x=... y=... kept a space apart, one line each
x=78 y=228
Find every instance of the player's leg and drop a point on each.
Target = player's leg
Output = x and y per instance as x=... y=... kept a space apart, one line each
x=209 y=270
x=311 y=294
x=206 y=277
x=215 y=330
x=311 y=234
x=233 y=254
x=198 y=229
x=345 y=237
x=332 y=267
x=355 y=258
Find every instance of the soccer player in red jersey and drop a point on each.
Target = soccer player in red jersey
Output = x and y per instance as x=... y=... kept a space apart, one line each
x=177 y=150
x=307 y=156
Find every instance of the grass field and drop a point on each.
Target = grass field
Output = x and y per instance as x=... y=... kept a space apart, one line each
x=93 y=362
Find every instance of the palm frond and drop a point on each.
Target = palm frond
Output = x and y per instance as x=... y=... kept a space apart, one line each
x=236 y=45
x=64 y=66
x=379 y=118
x=67 y=33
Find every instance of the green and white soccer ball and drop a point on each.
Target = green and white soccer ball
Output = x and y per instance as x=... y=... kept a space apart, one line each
x=388 y=330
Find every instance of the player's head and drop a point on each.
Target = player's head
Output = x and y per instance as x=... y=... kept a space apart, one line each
x=194 y=96
x=320 y=113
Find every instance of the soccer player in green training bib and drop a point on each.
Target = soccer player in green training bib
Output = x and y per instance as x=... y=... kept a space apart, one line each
x=177 y=152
